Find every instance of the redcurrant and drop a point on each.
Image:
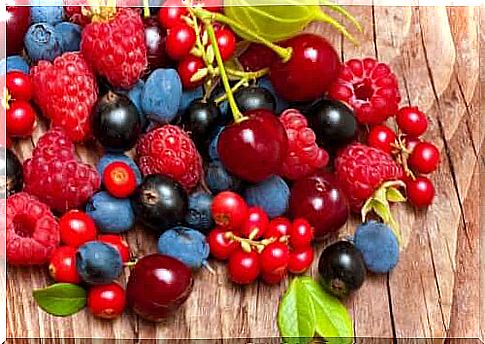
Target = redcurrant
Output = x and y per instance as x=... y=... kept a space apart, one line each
x=119 y=179
x=382 y=137
x=278 y=227
x=187 y=68
x=410 y=142
x=411 y=121
x=420 y=192
x=273 y=277
x=300 y=260
x=106 y=301
x=226 y=41
x=62 y=266
x=76 y=228
x=256 y=224
x=229 y=210
x=180 y=41
x=20 y=119
x=425 y=158
x=275 y=257
x=171 y=13
x=301 y=234
x=243 y=267
x=117 y=242
x=220 y=246
x=19 y=85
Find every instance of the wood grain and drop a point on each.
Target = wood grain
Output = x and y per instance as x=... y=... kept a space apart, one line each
x=435 y=290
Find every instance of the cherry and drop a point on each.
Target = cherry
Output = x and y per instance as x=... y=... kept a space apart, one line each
x=313 y=67
x=226 y=41
x=229 y=210
x=382 y=137
x=155 y=38
x=76 y=228
x=119 y=179
x=278 y=227
x=420 y=192
x=180 y=41
x=320 y=200
x=256 y=224
x=257 y=57
x=106 y=301
x=18 y=22
x=171 y=13
x=255 y=148
x=300 y=260
x=19 y=85
x=274 y=258
x=243 y=267
x=425 y=158
x=412 y=121
x=158 y=285
x=273 y=277
x=62 y=266
x=20 y=119
x=187 y=68
x=119 y=243
x=220 y=246
x=301 y=234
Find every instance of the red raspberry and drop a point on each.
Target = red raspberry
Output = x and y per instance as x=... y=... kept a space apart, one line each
x=304 y=155
x=116 y=48
x=169 y=150
x=54 y=175
x=362 y=169
x=370 y=88
x=32 y=230
x=66 y=92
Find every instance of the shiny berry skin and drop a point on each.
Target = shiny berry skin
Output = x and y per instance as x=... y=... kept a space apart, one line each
x=412 y=121
x=200 y=120
x=274 y=258
x=107 y=301
x=62 y=266
x=171 y=13
x=19 y=85
x=226 y=41
x=278 y=227
x=220 y=246
x=256 y=224
x=255 y=148
x=76 y=228
x=187 y=68
x=420 y=192
x=180 y=41
x=244 y=267
x=410 y=142
x=229 y=210
x=382 y=137
x=117 y=242
x=311 y=70
x=18 y=21
x=119 y=179
x=273 y=277
x=301 y=234
x=256 y=57
x=155 y=37
x=20 y=119
x=300 y=260
x=425 y=158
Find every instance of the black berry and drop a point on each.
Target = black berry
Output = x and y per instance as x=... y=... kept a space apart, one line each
x=254 y=98
x=11 y=168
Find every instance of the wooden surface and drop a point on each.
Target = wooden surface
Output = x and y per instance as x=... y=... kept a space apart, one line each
x=433 y=292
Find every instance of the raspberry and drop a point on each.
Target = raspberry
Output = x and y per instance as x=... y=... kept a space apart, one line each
x=55 y=177
x=32 y=230
x=304 y=155
x=66 y=92
x=116 y=48
x=370 y=88
x=362 y=169
x=168 y=150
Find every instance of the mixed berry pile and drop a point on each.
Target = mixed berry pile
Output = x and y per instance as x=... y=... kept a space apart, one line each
x=246 y=152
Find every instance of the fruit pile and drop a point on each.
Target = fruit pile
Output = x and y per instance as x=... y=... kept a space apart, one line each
x=222 y=140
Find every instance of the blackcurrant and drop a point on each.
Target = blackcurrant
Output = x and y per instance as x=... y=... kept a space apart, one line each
x=254 y=98
x=200 y=120
x=11 y=168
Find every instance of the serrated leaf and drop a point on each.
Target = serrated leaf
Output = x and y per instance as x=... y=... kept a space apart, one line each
x=296 y=316
x=395 y=196
x=210 y=55
x=199 y=75
x=61 y=299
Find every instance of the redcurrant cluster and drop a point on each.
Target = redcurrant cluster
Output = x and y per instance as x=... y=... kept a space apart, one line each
x=416 y=156
x=255 y=246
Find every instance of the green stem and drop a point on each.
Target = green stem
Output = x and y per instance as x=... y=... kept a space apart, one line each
x=284 y=53
x=146 y=9
x=247 y=75
x=233 y=89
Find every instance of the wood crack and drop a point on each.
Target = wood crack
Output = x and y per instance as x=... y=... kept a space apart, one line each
x=374 y=31
x=469 y=115
x=391 y=312
x=426 y=305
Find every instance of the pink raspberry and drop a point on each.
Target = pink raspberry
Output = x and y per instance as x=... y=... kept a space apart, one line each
x=304 y=155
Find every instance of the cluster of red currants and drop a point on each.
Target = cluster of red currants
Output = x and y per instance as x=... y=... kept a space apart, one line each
x=418 y=157
x=76 y=228
x=255 y=246
x=185 y=41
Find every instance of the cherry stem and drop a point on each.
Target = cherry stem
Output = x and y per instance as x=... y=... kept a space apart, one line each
x=247 y=75
x=146 y=9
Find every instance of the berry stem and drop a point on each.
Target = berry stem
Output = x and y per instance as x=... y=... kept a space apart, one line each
x=240 y=83
x=146 y=9
x=6 y=99
x=247 y=75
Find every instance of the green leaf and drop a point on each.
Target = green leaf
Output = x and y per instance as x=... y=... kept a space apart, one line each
x=296 y=316
x=395 y=196
x=210 y=54
x=382 y=210
x=61 y=299
x=333 y=321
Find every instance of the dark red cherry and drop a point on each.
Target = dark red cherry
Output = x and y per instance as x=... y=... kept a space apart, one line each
x=254 y=149
x=312 y=68
x=155 y=37
x=18 y=21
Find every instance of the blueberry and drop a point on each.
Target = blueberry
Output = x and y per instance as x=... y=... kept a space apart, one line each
x=272 y=195
x=185 y=244
x=46 y=14
x=135 y=96
x=187 y=98
x=213 y=153
x=199 y=213
x=109 y=158
x=161 y=95
x=71 y=36
x=15 y=62
x=111 y=215
x=98 y=263
x=378 y=245
x=281 y=104
x=43 y=42
x=218 y=179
